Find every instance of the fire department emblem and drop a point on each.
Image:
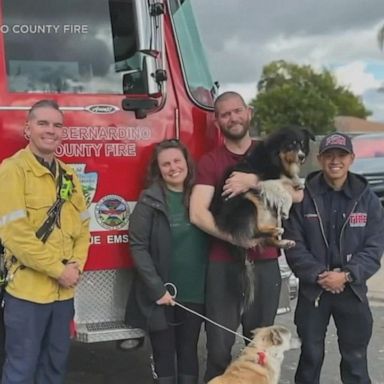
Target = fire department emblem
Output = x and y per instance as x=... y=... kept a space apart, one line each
x=358 y=219
x=88 y=182
x=336 y=140
x=112 y=212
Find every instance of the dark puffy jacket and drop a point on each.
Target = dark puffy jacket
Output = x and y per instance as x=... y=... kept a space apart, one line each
x=150 y=244
x=361 y=239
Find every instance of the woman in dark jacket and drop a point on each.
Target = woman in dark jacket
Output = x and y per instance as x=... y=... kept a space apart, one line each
x=167 y=248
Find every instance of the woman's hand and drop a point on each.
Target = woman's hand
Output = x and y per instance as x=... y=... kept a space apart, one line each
x=166 y=299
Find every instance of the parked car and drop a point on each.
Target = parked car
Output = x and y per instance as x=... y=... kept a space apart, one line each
x=369 y=160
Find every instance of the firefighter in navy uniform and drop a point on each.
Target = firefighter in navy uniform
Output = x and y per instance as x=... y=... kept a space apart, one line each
x=339 y=234
x=44 y=228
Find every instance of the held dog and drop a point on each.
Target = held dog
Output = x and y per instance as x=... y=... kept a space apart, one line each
x=260 y=361
x=257 y=213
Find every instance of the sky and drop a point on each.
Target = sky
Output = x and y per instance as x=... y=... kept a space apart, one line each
x=241 y=36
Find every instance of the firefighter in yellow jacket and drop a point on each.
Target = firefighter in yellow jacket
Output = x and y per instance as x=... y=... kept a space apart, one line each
x=44 y=228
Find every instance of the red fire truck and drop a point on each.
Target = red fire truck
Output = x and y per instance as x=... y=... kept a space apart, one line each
x=127 y=74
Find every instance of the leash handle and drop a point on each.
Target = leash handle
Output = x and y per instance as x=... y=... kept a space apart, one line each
x=174 y=288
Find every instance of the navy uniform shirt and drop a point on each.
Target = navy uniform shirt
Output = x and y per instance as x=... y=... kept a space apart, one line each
x=335 y=204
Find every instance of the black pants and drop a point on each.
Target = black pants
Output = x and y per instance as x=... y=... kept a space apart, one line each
x=175 y=349
x=224 y=301
x=353 y=320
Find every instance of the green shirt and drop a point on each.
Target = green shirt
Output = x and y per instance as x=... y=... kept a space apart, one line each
x=189 y=252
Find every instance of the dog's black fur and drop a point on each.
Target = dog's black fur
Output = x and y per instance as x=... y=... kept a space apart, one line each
x=256 y=213
x=278 y=156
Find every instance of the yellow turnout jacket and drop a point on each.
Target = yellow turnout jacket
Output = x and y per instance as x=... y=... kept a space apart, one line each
x=27 y=191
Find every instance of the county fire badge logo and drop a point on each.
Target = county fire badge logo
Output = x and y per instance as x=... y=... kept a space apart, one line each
x=112 y=212
x=88 y=182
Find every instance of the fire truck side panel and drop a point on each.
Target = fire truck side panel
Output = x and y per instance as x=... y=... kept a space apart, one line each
x=108 y=147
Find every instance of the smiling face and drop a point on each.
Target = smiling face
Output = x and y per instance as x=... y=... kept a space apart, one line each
x=335 y=164
x=173 y=168
x=233 y=117
x=44 y=129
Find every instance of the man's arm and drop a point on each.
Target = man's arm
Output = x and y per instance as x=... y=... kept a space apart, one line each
x=299 y=258
x=241 y=182
x=199 y=212
x=303 y=263
x=201 y=216
x=366 y=262
x=16 y=230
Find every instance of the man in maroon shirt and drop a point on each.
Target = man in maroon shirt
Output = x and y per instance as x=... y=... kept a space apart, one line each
x=225 y=278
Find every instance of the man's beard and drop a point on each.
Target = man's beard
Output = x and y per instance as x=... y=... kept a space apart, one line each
x=238 y=135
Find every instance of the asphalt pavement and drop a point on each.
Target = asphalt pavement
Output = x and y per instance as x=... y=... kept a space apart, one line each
x=104 y=363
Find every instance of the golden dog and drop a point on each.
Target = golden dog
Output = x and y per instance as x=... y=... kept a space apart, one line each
x=260 y=361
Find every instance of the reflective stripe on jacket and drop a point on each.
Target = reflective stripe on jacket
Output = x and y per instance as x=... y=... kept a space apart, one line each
x=28 y=190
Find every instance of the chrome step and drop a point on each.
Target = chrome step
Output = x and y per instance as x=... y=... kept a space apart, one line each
x=106 y=331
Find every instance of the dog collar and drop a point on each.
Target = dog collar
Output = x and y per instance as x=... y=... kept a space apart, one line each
x=262 y=358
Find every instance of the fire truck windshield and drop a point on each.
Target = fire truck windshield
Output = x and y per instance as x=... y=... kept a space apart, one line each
x=71 y=46
x=196 y=70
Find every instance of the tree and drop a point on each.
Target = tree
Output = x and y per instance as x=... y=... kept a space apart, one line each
x=289 y=94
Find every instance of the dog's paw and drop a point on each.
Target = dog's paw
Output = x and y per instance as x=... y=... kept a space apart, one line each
x=287 y=244
x=279 y=231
